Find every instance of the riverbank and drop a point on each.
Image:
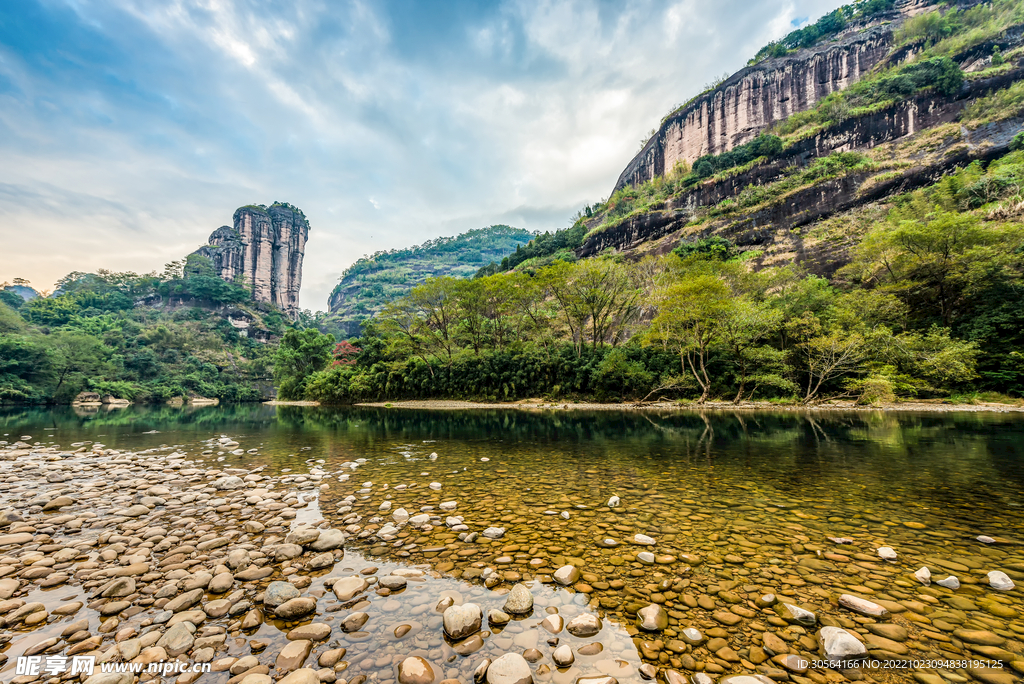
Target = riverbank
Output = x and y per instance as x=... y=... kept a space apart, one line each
x=536 y=405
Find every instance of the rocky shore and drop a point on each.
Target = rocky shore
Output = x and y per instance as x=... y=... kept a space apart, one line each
x=309 y=576
x=746 y=406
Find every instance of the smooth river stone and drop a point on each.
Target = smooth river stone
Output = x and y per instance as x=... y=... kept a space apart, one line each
x=415 y=670
x=838 y=644
x=583 y=626
x=999 y=581
x=461 y=621
x=519 y=601
x=862 y=606
x=510 y=668
x=348 y=587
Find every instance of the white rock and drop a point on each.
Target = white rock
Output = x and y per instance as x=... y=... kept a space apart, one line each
x=950 y=582
x=644 y=540
x=998 y=579
x=566 y=575
x=924 y=576
x=448 y=505
x=510 y=668
x=986 y=540
x=385 y=506
x=838 y=644
x=435 y=486
x=400 y=516
x=886 y=553
x=613 y=502
x=494 y=532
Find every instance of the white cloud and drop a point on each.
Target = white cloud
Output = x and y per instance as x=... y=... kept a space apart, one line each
x=130 y=130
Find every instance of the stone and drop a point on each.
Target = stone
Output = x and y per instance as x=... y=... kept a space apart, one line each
x=519 y=601
x=354 y=622
x=305 y=675
x=863 y=606
x=924 y=576
x=461 y=621
x=228 y=482
x=348 y=587
x=316 y=631
x=886 y=553
x=293 y=655
x=999 y=581
x=177 y=640
x=566 y=575
x=494 y=532
x=563 y=656
x=585 y=625
x=184 y=601
x=296 y=607
x=329 y=540
x=302 y=536
x=795 y=614
x=643 y=540
x=278 y=593
x=392 y=582
x=510 y=668
x=415 y=670
x=497 y=617
x=120 y=587
x=652 y=618
x=553 y=623
x=838 y=644
x=950 y=582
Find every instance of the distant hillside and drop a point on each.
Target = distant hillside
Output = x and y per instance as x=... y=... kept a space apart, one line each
x=368 y=284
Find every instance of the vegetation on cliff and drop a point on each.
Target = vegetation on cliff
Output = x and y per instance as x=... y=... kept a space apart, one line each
x=371 y=282
x=142 y=338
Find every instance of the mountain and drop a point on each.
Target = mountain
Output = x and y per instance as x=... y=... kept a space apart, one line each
x=368 y=284
x=871 y=101
x=893 y=101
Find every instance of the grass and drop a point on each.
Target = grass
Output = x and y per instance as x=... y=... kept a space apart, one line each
x=1002 y=104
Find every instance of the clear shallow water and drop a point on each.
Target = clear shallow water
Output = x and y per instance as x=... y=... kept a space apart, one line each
x=739 y=504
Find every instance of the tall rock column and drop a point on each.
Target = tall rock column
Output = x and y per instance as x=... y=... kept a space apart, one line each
x=265 y=246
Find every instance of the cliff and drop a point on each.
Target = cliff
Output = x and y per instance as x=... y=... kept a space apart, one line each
x=263 y=250
x=759 y=96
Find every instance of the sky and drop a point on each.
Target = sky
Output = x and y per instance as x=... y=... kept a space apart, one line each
x=131 y=129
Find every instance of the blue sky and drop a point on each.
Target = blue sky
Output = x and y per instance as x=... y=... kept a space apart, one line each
x=131 y=129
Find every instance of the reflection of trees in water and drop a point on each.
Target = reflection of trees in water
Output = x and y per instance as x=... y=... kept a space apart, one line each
x=866 y=454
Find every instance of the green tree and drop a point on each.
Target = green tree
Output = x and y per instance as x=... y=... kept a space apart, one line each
x=691 y=313
x=300 y=354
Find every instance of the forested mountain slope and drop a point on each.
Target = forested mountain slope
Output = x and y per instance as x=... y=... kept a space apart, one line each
x=368 y=284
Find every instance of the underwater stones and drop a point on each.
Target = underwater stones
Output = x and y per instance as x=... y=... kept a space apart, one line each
x=583 y=626
x=924 y=576
x=354 y=622
x=795 y=615
x=950 y=582
x=999 y=581
x=646 y=557
x=887 y=554
x=613 y=502
x=643 y=540
x=401 y=516
x=692 y=636
x=652 y=618
x=863 y=606
x=566 y=575
x=494 y=532
x=497 y=617
x=392 y=582
x=519 y=601
x=347 y=588
x=461 y=621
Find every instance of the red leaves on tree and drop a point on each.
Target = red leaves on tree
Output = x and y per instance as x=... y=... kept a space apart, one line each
x=345 y=354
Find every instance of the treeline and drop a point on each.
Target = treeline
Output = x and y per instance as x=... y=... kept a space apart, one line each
x=929 y=306
x=95 y=333
x=825 y=27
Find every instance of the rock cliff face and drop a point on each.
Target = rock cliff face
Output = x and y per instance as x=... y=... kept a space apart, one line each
x=264 y=247
x=756 y=97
